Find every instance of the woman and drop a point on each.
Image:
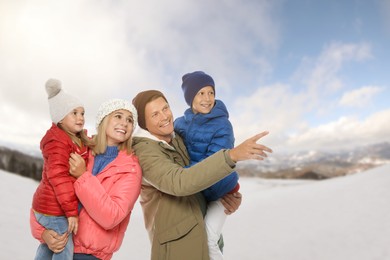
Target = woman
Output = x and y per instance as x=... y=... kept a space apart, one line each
x=107 y=188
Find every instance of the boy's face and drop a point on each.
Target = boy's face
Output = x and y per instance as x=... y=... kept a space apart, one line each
x=204 y=100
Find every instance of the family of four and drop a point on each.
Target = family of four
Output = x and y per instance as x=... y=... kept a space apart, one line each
x=89 y=186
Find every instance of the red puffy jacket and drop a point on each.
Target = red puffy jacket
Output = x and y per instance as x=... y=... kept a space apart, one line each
x=55 y=194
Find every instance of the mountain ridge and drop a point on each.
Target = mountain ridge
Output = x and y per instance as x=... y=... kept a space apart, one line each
x=315 y=165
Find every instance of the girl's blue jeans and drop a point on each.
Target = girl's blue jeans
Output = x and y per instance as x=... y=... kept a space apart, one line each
x=60 y=225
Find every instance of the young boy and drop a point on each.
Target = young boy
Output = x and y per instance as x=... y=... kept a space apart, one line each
x=206 y=129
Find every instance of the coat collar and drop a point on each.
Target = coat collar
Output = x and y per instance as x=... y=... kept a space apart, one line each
x=142 y=133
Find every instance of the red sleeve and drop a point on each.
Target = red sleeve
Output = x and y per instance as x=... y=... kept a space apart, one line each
x=57 y=171
x=235 y=189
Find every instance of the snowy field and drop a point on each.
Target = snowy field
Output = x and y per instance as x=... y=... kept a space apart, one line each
x=338 y=219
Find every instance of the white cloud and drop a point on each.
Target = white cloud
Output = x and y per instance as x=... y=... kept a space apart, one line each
x=115 y=49
x=275 y=108
x=110 y=49
x=79 y=44
x=284 y=110
x=219 y=37
x=345 y=132
x=321 y=75
x=359 y=97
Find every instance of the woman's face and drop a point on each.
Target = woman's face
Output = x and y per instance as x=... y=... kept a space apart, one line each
x=119 y=127
x=159 y=119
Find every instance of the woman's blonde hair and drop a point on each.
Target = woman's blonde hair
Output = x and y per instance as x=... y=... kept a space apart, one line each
x=99 y=140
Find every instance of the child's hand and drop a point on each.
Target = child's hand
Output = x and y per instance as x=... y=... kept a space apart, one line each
x=73 y=225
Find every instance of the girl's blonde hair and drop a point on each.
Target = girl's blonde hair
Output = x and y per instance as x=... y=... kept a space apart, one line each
x=81 y=138
x=99 y=141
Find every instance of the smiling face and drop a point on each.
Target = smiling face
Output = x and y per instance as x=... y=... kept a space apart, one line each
x=159 y=119
x=73 y=122
x=204 y=100
x=119 y=127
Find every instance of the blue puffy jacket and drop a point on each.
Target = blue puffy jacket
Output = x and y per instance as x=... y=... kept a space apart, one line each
x=205 y=134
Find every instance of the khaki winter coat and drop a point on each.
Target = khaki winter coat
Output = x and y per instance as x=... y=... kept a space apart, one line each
x=171 y=198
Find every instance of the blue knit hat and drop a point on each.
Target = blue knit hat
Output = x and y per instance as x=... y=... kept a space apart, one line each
x=193 y=82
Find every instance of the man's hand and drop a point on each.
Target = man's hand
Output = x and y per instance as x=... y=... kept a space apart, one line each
x=231 y=202
x=250 y=149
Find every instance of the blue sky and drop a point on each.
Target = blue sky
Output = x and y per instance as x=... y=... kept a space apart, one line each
x=313 y=73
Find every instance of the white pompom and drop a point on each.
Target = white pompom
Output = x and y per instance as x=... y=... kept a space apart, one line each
x=53 y=87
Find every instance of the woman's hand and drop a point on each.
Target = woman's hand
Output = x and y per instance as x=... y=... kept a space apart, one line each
x=231 y=202
x=54 y=241
x=76 y=165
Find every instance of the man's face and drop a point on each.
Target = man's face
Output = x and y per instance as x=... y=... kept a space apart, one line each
x=159 y=119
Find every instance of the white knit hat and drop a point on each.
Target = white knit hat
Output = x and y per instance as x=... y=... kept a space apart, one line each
x=112 y=105
x=60 y=103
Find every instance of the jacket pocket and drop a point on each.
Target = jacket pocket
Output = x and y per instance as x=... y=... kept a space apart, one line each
x=179 y=230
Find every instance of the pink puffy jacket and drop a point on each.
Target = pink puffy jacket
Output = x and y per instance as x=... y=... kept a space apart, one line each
x=107 y=200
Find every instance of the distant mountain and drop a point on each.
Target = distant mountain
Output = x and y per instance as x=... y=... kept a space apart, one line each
x=317 y=164
x=20 y=163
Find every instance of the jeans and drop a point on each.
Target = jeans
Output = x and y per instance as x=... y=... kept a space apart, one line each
x=60 y=225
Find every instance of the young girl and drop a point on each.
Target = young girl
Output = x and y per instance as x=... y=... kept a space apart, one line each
x=54 y=202
x=206 y=129
x=107 y=187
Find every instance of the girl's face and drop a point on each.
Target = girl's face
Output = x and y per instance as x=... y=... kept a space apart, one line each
x=119 y=127
x=203 y=101
x=74 y=121
x=159 y=119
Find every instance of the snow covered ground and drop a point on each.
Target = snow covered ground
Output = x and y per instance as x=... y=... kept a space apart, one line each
x=337 y=219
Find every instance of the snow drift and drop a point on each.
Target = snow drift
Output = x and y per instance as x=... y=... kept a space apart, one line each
x=341 y=218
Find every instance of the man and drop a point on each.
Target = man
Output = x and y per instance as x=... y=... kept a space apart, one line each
x=171 y=198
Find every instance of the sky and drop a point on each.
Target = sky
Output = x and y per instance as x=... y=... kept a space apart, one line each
x=312 y=73
x=278 y=219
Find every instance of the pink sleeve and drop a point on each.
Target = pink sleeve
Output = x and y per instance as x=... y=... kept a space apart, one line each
x=109 y=208
x=36 y=228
